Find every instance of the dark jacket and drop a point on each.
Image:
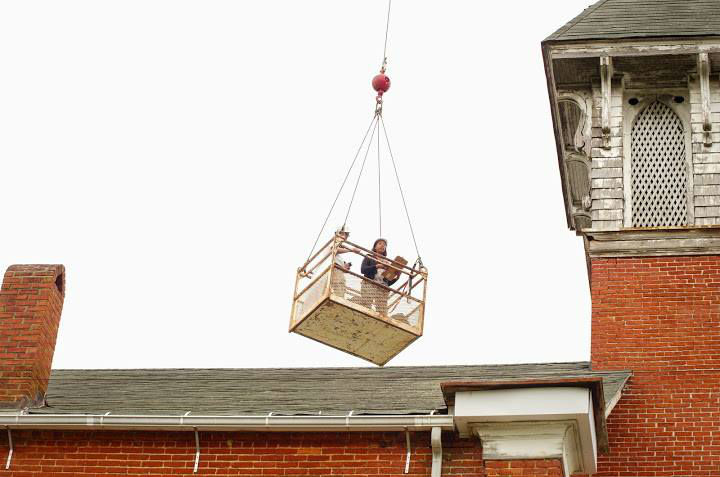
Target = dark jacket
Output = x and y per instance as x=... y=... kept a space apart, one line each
x=369 y=269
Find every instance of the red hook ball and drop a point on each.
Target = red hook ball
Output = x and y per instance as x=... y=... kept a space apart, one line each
x=381 y=83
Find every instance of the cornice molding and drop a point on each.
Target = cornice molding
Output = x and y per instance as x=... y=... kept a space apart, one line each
x=632 y=47
x=653 y=242
x=531 y=423
x=533 y=440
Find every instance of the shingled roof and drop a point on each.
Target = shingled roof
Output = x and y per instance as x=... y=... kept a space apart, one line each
x=299 y=391
x=616 y=19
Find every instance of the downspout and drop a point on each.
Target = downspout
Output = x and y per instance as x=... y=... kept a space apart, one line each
x=407 y=458
x=197 y=452
x=436 y=443
x=10 y=452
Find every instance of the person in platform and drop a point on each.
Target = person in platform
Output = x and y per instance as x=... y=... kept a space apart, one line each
x=373 y=269
x=337 y=281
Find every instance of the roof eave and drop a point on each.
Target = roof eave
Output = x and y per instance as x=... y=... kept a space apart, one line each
x=631 y=37
x=552 y=96
x=594 y=384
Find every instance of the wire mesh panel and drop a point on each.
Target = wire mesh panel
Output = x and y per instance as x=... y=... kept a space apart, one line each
x=658 y=169
x=311 y=287
x=372 y=317
x=312 y=296
x=375 y=298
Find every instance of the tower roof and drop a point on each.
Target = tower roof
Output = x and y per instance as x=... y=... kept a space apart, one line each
x=617 y=19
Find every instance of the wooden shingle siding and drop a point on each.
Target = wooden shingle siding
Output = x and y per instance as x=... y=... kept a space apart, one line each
x=606 y=172
x=606 y=185
x=706 y=159
x=606 y=194
x=615 y=19
x=707 y=190
x=707 y=179
x=607 y=163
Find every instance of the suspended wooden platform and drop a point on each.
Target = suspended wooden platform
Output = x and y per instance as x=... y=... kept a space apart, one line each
x=343 y=309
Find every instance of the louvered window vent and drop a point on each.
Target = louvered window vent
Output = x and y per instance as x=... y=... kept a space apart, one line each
x=659 y=171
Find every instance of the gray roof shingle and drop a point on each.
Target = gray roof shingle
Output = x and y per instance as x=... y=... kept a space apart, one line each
x=616 y=19
x=391 y=390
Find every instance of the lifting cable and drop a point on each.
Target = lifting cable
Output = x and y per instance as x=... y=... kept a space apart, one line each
x=379 y=189
x=402 y=194
x=387 y=28
x=375 y=124
x=332 y=207
x=362 y=167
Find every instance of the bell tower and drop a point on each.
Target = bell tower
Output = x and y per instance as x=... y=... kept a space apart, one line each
x=635 y=98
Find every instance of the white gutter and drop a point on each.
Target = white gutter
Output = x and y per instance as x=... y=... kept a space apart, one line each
x=222 y=423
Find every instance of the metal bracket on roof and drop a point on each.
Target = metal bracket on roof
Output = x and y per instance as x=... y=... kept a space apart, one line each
x=10 y=452
x=703 y=67
x=347 y=418
x=606 y=74
x=182 y=418
x=197 y=451
x=407 y=458
x=102 y=418
x=267 y=418
x=23 y=412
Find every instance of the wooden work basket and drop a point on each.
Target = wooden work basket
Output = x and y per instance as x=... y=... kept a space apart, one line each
x=343 y=309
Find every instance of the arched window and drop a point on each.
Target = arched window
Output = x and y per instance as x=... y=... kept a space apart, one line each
x=659 y=175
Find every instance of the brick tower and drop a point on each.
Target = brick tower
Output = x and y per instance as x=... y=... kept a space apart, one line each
x=635 y=102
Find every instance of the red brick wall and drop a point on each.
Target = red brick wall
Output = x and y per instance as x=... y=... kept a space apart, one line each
x=660 y=317
x=524 y=468
x=31 y=300
x=93 y=453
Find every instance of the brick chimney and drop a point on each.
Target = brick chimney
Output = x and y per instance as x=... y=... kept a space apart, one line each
x=31 y=300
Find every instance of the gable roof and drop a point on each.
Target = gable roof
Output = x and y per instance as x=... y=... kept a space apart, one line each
x=616 y=19
x=290 y=391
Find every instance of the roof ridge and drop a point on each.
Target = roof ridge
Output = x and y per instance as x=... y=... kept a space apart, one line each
x=573 y=22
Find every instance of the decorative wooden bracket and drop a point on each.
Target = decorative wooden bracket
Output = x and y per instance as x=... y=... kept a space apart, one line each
x=703 y=66
x=606 y=73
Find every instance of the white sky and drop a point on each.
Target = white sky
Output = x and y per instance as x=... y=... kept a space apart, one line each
x=179 y=158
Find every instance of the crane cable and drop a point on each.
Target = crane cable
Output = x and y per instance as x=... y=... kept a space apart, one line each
x=362 y=167
x=375 y=124
x=379 y=187
x=337 y=196
x=387 y=28
x=402 y=194
x=379 y=113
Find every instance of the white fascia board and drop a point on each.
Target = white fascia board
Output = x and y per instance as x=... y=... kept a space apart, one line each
x=633 y=47
x=532 y=423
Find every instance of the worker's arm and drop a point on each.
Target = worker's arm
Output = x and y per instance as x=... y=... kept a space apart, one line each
x=368 y=267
